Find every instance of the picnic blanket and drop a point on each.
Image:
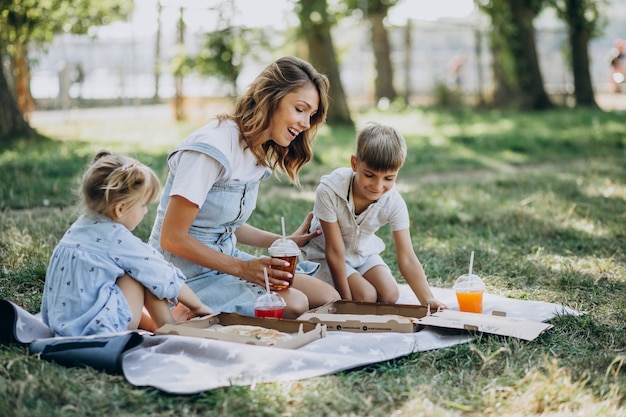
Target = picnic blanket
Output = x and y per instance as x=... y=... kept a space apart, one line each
x=187 y=365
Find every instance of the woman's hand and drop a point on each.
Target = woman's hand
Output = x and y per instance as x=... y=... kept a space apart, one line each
x=253 y=271
x=302 y=235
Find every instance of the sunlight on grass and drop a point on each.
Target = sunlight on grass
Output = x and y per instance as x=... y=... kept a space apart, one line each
x=552 y=392
x=131 y=129
x=539 y=197
x=607 y=188
x=595 y=266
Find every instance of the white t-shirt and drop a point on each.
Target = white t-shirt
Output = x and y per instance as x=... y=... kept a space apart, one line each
x=195 y=172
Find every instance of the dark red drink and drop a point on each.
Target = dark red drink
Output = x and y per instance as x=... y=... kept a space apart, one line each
x=273 y=312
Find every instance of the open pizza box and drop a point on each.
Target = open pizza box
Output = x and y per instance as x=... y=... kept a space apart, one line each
x=361 y=317
x=353 y=316
x=286 y=334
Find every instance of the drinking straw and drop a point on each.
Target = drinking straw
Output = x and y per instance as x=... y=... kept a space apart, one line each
x=471 y=263
x=267 y=280
x=282 y=222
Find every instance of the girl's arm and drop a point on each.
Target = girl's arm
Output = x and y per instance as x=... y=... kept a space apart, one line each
x=412 y=271
x=190 y=300
x=335 y=252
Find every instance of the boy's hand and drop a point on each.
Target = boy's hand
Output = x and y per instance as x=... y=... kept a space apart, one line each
x=302 y=235
x=435 y=304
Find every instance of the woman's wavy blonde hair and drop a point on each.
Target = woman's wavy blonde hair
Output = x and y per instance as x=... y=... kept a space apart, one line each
x=254 y=109
x=112 y=179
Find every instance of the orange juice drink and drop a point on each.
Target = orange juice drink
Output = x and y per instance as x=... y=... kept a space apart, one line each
x=469 y=290
x=471 y=302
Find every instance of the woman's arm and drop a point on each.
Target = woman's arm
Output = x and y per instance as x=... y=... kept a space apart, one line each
x=335 y=251
x=411 y=269
x=252 y=236
x=175 y=238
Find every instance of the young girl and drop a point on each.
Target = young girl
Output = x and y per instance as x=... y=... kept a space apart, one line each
x=100 y=275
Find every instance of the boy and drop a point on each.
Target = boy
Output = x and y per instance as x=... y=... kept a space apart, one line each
x=350 y=206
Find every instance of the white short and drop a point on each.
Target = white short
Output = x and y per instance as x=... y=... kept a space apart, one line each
x=371 y=261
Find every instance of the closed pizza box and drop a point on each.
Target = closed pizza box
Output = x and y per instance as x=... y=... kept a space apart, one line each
x=253 y=332
x=363 y=317
x=353 y=316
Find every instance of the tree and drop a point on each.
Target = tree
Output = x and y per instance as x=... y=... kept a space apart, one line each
x=583 y=21
x=12 y=122
x=23 y=22
x=516 y=49
x=505 y=91
x=315 y=26
x=375 y=11
x=223 y=50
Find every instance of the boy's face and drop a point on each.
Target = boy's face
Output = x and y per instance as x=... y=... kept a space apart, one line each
x=369 y=184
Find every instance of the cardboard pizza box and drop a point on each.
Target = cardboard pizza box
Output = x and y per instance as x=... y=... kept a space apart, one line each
x=353 y=316
x=495 y=323
x=301 y=332
x=360 y=317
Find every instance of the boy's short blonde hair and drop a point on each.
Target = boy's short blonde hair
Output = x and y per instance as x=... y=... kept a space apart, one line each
x=382 y=148
x=113 y=179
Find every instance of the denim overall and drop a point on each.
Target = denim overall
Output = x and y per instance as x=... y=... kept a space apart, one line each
x=228 y=205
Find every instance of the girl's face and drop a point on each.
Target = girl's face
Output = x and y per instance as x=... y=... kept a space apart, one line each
x=370 y=185
x=293 y=115
x=131 y=217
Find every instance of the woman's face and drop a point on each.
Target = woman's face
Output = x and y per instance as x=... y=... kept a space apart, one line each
x=293 y=115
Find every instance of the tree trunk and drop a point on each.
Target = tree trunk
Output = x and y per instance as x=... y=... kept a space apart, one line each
x=384 y=70
x=322 y=57
x=504 y=93
x=579 y=34
x=532 y=93
x=12 y=122
x=157 y=54
x=179 y=98
x=579 y=42
x=21 y=74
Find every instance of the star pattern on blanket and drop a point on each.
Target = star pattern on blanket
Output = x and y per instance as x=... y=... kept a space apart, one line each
x=232 y=354
x=375 y=352
x=20 y=325
x=331 y=362
x=296 y=364
x=344 y=349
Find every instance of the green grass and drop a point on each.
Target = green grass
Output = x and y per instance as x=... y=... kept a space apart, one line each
x=540 y=198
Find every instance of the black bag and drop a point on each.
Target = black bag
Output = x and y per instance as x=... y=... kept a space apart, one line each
x=104 y=353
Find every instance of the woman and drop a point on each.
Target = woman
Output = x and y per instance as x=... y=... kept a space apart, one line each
x=212 y=188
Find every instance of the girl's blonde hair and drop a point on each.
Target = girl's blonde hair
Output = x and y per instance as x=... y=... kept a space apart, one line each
x=254 y=110
x=113 y=179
